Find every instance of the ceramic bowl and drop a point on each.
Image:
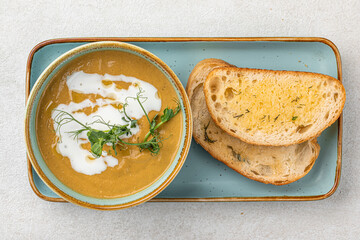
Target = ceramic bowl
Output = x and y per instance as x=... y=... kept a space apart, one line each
x=49 y=178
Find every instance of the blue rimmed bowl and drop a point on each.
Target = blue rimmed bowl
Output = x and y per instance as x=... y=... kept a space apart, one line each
x=54 y=183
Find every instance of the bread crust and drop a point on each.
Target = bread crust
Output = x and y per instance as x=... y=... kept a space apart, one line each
x=221 y=159
x=265 y=71
x=193 y=83
x=200 y=69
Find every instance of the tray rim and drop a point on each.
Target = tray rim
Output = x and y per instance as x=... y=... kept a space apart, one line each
x=200 y=39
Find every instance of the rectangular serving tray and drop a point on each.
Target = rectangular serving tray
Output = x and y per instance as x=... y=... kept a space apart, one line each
x=202 y=177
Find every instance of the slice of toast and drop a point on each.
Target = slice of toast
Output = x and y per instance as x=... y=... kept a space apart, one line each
x=274 y=108
x=267 y=164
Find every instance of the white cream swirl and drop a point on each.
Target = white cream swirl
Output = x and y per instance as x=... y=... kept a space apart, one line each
x=80 y=82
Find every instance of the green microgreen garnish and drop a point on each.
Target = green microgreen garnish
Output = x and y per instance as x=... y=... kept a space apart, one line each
x=294 y=118
x=133 y=122
x=99 y=138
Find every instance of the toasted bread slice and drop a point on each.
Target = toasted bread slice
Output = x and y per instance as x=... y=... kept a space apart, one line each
x=267 y=164
x=274 y=108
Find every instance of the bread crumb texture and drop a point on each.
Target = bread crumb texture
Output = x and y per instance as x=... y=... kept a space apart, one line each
x=276 y=165
x=273 y=107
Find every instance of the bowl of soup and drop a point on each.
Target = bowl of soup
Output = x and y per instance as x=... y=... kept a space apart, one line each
x=108 y=125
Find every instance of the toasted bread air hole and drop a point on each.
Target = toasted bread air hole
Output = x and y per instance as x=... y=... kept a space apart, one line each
x=228 y=72
x=217 y=106
x=302 y=129
x=219 y=119
x=214 y=84
x=325 y=83
x=213 y=97
x=336 y=95
x=265 y=169
x=308 y=167
x=299 y=148
x=234 y=131
x=255 y=172
x=254 y=81
x=229 y=94
x=327 y=115
x=312 y=150
x=223 y=78
x=324 y=95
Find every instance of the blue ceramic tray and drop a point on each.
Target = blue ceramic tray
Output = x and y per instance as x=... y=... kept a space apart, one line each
x=202 y=177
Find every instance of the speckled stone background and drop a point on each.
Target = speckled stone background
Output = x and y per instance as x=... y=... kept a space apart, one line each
x=23 y=24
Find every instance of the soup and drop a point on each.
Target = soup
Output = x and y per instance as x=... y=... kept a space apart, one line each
x=98 y=86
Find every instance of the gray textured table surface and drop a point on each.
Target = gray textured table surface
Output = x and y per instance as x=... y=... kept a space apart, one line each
x=24 y=24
